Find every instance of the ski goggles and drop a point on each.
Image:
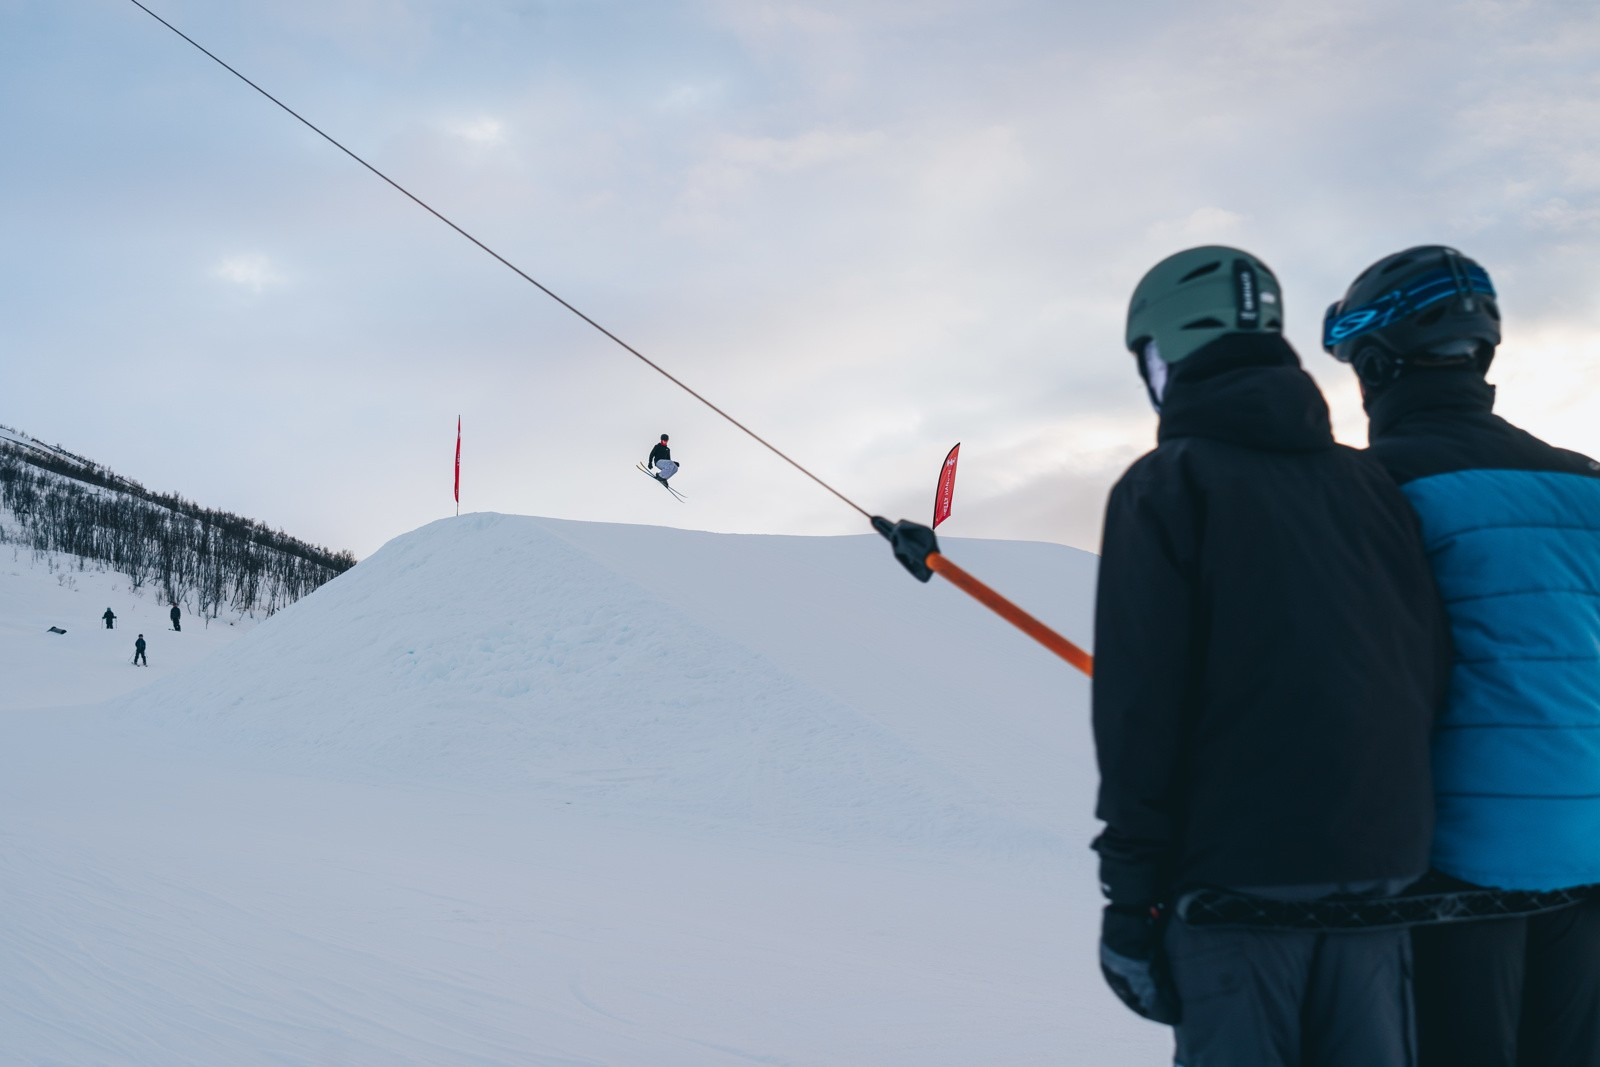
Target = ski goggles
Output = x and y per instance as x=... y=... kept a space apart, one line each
x=1457 y=280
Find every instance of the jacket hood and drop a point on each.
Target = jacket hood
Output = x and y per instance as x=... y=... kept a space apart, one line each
x=1246 y=390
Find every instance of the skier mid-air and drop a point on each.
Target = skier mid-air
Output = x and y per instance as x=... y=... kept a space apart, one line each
x=661 y=460
x=661 y=466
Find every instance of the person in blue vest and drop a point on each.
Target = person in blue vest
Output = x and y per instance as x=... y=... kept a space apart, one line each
x=1512 y=529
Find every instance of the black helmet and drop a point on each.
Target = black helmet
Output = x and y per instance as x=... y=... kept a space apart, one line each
x=1426 y=305
x=663 y=437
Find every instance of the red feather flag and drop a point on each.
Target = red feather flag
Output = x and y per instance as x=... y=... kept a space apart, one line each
x=458 y=460
x=944 y=496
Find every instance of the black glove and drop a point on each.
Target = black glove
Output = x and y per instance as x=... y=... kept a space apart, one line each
x=1133 y=964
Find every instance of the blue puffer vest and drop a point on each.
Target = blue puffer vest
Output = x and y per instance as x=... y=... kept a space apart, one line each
x=1512 y=528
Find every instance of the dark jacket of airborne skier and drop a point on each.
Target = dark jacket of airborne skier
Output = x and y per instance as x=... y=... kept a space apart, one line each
x=1512 y=529
x=661 y=463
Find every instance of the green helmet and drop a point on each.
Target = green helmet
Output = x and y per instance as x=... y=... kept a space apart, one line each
x=1196 y=296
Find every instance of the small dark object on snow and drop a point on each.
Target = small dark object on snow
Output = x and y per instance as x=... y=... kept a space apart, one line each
x=56 y=630
x=912 y=542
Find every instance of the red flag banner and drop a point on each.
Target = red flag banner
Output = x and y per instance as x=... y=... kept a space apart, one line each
x=458 y=459
x=944 y=496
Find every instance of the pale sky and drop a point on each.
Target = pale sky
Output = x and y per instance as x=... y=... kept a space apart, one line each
x=866 y=229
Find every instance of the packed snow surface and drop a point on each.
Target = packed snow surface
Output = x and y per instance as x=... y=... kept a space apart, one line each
x=520 y=791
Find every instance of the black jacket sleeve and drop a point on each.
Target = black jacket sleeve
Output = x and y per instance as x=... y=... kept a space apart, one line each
x=1144 y=638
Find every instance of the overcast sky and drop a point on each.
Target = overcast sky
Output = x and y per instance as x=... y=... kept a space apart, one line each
x=867 y=229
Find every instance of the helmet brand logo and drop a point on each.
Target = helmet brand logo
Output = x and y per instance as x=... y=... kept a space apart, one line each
x=1245 y=290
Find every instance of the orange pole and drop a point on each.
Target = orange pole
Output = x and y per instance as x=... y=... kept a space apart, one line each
x=1012 y=614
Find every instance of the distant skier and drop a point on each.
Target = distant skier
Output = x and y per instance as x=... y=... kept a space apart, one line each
x=110 y=617
x=661 y=460
x=138 y=652
x=177 y=618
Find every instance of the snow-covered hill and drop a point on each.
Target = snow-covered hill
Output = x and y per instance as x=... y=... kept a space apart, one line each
x=524 y=791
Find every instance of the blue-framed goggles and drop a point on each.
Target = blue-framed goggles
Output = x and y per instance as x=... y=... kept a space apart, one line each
x=1458 y=280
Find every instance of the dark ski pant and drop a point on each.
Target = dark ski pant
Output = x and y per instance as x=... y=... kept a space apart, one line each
x=1269 y=998
x=1521 y=992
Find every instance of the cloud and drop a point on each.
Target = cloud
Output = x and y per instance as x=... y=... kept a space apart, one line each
x=1202 y=226
x=482 y=130
x=734 y=164
x=249 y=271
x=688 y=97
x=1557 y=214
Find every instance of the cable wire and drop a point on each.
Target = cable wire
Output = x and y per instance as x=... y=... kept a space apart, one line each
x=504 y=261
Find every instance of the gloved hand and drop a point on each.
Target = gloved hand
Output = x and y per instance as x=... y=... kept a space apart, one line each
x=1133 y=964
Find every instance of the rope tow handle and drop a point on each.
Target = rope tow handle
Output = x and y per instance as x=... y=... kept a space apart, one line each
x=917 y=549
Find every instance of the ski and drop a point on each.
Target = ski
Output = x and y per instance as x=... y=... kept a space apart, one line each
x=648 y=473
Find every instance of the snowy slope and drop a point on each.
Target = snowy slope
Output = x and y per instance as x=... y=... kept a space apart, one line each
x=523 y=791
x=88 y=663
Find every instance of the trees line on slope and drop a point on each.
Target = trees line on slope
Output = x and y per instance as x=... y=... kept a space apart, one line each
x=204 y=559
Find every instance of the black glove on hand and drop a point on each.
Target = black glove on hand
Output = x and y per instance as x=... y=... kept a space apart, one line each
x=1133 y=964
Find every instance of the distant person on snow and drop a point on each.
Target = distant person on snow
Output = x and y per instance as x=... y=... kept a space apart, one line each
x=661 y=460
x=138 y=652
x=110 y=617
x=1512 y=526
x=177 y=618
x=1270 y=654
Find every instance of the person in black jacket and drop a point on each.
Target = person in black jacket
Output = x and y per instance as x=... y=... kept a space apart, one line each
x=176 y=616
x=1270 y=653
x=110 y=617
x=1512 y=526
x=138 y=652
x=661 y=460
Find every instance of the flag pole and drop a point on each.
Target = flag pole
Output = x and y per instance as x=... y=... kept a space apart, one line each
x=458 y=466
